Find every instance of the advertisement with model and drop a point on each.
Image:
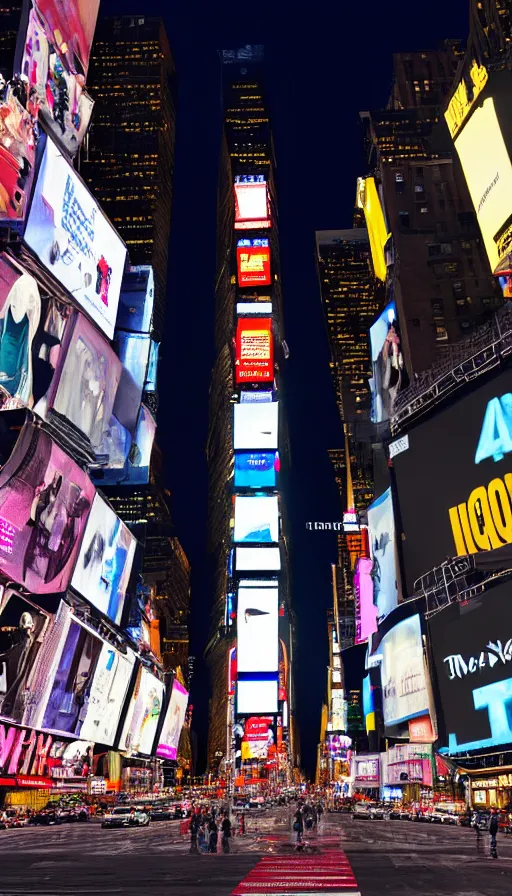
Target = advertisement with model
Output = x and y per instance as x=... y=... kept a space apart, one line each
x=20 y=315
x=381 y=534
x=403 y=673
x=17 y=156
x=23 y=626
x=174 y=719
x=143 y=714
x=254 y=361
x=388 y=373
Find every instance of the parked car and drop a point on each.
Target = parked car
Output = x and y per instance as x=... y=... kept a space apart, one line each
x=362 y=810
x=442 y=816
x=377 y=810
x=394 y=812
x=405 y=814
x=126 y=816
x=46 y=817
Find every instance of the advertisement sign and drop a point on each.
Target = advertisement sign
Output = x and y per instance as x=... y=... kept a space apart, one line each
x=403 y=677
x=253 y=262
x=366 y=611
x=17 y=157
x=381 y=533
x=388 y=373
x=258 y=397
x=133 y=350
x=104 y=564
x=258 y=737
x=251 y=204
x=252 y=308
x=20 y=314
x=367 y=769
x=70 y=29
x=368 y=199
x=473 y=661
x=135 y=311
x=461 y=503
x=257 y=630
x=45 y=499
x=22 y=629
x=176 y=711
x=256 y=695
x=256 y=469
x=74 y=240
x=255 y=426
x=129 y=458
x=143 y=713
x=256 y=519
x=254 y=360
x=258 y=560
x=421 y=730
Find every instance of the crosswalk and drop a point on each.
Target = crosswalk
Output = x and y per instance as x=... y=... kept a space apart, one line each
x=300 y=875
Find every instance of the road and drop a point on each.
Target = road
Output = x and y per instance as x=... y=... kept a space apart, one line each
x=388 y=857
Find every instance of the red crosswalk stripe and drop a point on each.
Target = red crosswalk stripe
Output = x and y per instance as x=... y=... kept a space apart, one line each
x=305 y=875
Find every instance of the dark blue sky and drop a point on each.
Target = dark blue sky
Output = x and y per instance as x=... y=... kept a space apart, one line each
x=324 y=66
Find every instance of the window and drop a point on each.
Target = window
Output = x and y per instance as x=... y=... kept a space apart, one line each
x=423 y=209
x=451 y=267
x=465 y=326
x=462 y=306
x=399 y=178
x=436 y=172
x=419 y=188
x=403 y=220
x=459 y=289
x=446 y=249
x=441 y=334
x=434 y=249
x=437 y=309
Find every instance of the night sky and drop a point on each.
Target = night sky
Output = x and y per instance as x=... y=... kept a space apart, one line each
x=323 y=68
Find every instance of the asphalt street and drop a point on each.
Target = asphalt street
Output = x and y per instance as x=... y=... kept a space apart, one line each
x=396 y=857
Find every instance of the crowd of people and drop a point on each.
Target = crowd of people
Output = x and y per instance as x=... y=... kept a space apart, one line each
x=206 y=823
x=306 y=818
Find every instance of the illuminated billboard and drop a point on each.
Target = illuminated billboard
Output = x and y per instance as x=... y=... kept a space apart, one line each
x=136 y=300
x=258 y=560
x=254 y=308
x=128 y=457
x=143 y=714
x=256 y=426
x=367 y=198
x=104 y=564
x=487 y=168
x=23 y=626
x=256 y=519
x=366 y=611
x=381 y=535
x=251 y=204
x=256 y=469
x=20 y=314
x=17 y=157
x=133 y=350
x=254 y=360
x=259 y=397
x=70 y=28
x=253 y=262
x=74 y=240
x=403 y=675
x=257 y=630
x=256 y=695
x=388 y=373
x=45 y=499
x=169 y=739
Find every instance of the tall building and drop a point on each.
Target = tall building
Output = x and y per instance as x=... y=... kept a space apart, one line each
x=129 y=153
x=247 y=450
x=10 y=14
x=491 y=29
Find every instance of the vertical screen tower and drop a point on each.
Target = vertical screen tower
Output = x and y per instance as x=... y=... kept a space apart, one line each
x=251 y=735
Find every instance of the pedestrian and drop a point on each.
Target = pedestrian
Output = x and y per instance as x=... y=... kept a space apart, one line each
x=241 y=828
x=298 y=825
x=493 y=831
x=319 y=811
x=226 y=833
x=201 y=838
x=194 y=828
x=476 y=825
x=213 y=836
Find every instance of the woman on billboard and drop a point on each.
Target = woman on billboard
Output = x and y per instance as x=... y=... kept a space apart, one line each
x=19 y=320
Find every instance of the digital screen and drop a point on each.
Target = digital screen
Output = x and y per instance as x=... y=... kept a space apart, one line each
x=23 y=626
x=254 y=308
x=129 y=458
x=104 y=564
x=256 y=696
x=388 y=373
x=256 y=426
x=133 y=350
x=488 y=171
x=253 y=263
x=74 y=240
x=258 y=559
x=381 y=533
x=254 y=350
x=141 y=721
x=403 y=679
x=257 y=643
x=258 y=397
x=20 y=315
x=366 y=611
x=471 y=648
x=368 y=199
x=152 y=372
x=70 y=29
x=256 y=469
x=175 y=716
x=461 y=503
x=256 y=519
x=17 y=157
x=251 y=205
x=45 y=499
x=136 y=300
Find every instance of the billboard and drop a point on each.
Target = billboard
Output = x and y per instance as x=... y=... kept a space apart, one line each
x=254 y=362
x=251 y=204
x=461 y=503
x=133 y=350
x=253 y=262
x=45 y=499
x=257 y=644
x=20 y=314
x=367 y=198
x=70 y=26
x=381 y=534
x=104 y=564
x=169 y=739
x=403 y=676
x=136 y=300
x=256 y=695
x=366 y=611
x=254 y=308
x=258 y=559
x=143 y=713
x=256 y=519
x=388 y=374
x=258 y=737
x=17 y=157
x=74 y=240
x=255 y=426
x=473 y=661
x=256 y=469
x=23 y=626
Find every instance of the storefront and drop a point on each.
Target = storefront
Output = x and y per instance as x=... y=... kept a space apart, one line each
x=491 y=789
x=366 y=775
x=407 y=773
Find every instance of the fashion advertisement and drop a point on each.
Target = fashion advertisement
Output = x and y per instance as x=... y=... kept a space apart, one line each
x=403 y=677
x=22 y=629
x=70 y=26
x=17 y=154
x=174 y=718
x=143 y=714
x=74 y=240
x=381 y=528
x=129 y=459
x=20 y=313
x=45 y=499
x=104 y=564
x=389 y=374
x=133 y=350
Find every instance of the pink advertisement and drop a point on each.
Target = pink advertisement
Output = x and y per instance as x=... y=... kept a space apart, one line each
x=174 y=719
x=366 y=611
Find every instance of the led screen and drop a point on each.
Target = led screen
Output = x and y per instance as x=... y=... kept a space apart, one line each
x=255 y=397
x=257 y=624
x=251 y=206
x=254 y=308
x=404 y=685
x=174 y=718
x=253 y=262
x=256 y=519
x=256 y=426
x=133 y=350
x=366 y=611
x=20 y=314
x=104 y=564
x=461 y=503
x=23 y=626
x=143 y=713
x=472 y=658
x=128 y=458
x=256 y=696
x=388 y=373
x=74 y=240
x=45 y=499
x=136 y=300
x=254 y=361
x=70 y=28
x=258 y=559
x=17 y=157
x=381 y=532
x=152 y=372
x=367 y=198
x=256 y=469
x=486 y=164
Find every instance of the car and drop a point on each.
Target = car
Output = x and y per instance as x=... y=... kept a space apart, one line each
x=362 y=810
x=377 y=811
x=47 y=817
x=126 y=816
x=394 y=812
x=443 y=816
x=161 y=813
x=142 y=817
x=405 y=814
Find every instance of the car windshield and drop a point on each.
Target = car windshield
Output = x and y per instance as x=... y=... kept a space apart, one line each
x=121 y=811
